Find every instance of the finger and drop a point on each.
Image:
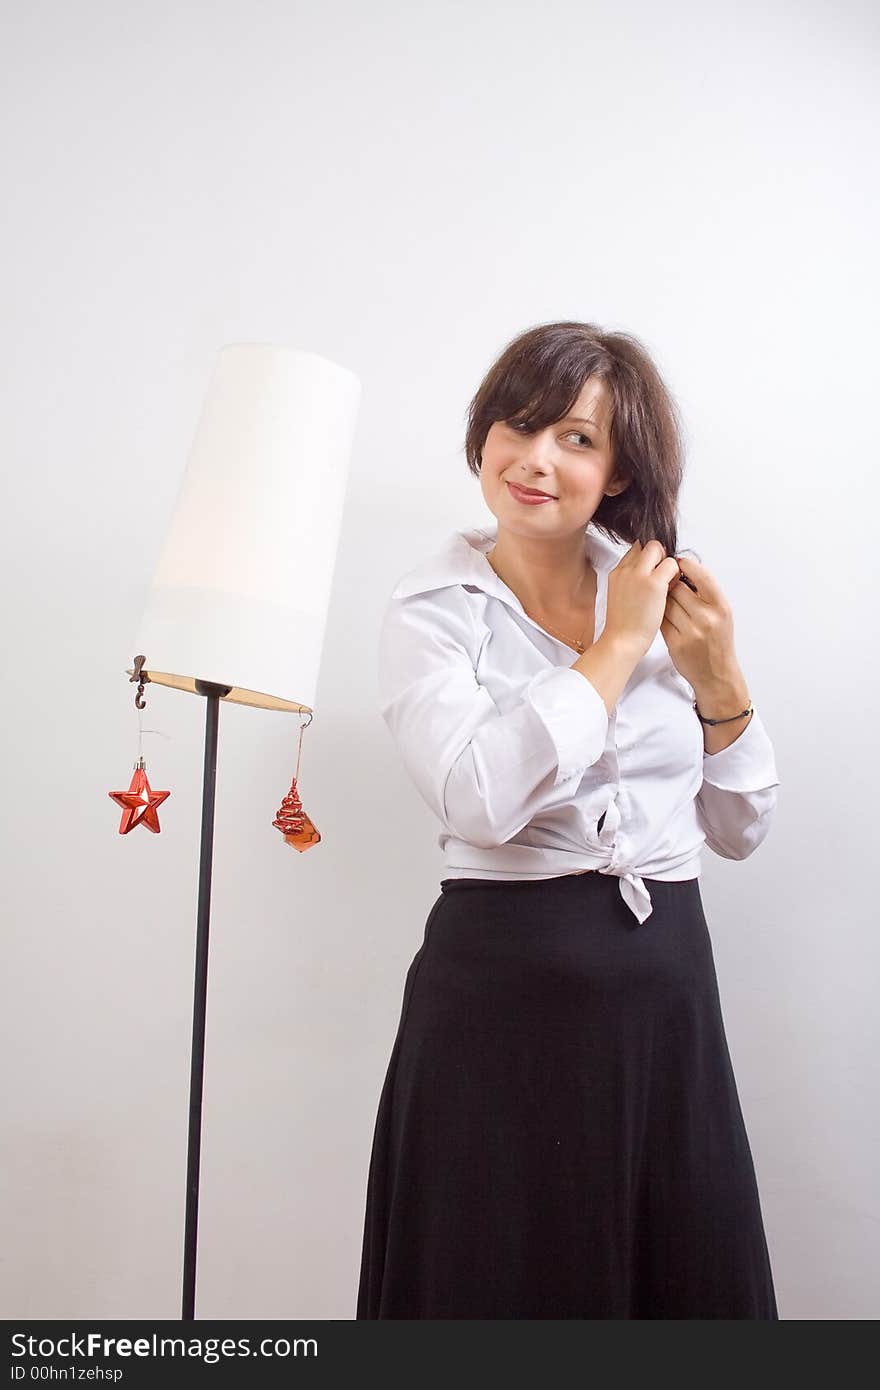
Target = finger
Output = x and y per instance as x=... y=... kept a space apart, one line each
x=707 y=586
x=653 y=553
x=666 y=622
x=678 y=611
x=681 y=595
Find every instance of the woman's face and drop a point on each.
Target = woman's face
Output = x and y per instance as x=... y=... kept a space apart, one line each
x=571 y=460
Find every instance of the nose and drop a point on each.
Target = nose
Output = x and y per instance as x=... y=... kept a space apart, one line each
x=538 y=450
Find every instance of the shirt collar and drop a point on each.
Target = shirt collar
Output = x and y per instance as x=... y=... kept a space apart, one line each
x=462 y=560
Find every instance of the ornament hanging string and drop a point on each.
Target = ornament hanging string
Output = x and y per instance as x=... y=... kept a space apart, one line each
x=142 y=731
x=302 y=729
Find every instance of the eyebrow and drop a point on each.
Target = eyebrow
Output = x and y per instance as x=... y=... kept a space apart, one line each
x=579 y=419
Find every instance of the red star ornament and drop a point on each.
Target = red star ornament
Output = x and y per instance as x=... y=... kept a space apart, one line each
x=139 y=803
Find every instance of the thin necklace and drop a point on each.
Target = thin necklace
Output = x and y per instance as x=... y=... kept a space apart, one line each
x=571 y=642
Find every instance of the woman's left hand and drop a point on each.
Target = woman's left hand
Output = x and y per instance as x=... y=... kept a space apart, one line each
x=698 y=629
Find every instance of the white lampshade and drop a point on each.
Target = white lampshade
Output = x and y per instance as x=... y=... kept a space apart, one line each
x=242 y=584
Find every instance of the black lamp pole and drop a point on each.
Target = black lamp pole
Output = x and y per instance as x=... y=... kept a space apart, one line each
x=213 y=693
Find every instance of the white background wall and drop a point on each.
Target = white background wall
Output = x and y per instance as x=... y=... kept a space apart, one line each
x=403 y=188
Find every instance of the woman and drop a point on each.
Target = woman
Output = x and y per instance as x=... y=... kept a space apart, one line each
x=559 y=1133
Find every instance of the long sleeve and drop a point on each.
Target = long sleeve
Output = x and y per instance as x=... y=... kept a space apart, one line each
x=736 y=801
x=484 y=774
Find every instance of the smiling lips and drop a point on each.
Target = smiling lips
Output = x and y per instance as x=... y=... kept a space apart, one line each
x=529 y=498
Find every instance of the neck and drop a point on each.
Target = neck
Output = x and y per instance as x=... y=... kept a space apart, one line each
x=546 y=575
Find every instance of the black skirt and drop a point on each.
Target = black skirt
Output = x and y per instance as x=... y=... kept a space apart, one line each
x=559 y=1133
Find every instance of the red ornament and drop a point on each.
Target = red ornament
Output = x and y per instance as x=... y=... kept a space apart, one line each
x=298 y=830
x=139 y=802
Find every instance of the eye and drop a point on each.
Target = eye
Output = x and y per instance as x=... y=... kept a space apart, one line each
x=519 y=428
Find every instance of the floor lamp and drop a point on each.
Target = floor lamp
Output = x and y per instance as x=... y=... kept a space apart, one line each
x=238 y=602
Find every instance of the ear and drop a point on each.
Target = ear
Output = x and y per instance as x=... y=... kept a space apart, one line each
x=619 y=485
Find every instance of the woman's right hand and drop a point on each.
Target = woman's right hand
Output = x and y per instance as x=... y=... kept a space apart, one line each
x=638 y=588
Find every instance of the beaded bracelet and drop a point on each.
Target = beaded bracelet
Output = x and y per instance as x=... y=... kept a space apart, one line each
x=741 y=715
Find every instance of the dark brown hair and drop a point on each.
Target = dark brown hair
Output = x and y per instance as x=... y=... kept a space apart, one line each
x=536 y=380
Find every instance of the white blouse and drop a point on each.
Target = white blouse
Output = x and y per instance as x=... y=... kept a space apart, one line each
x=515 y=752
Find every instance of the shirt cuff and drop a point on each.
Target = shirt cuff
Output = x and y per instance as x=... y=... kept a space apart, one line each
x=747 y=764
x=574 y=715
